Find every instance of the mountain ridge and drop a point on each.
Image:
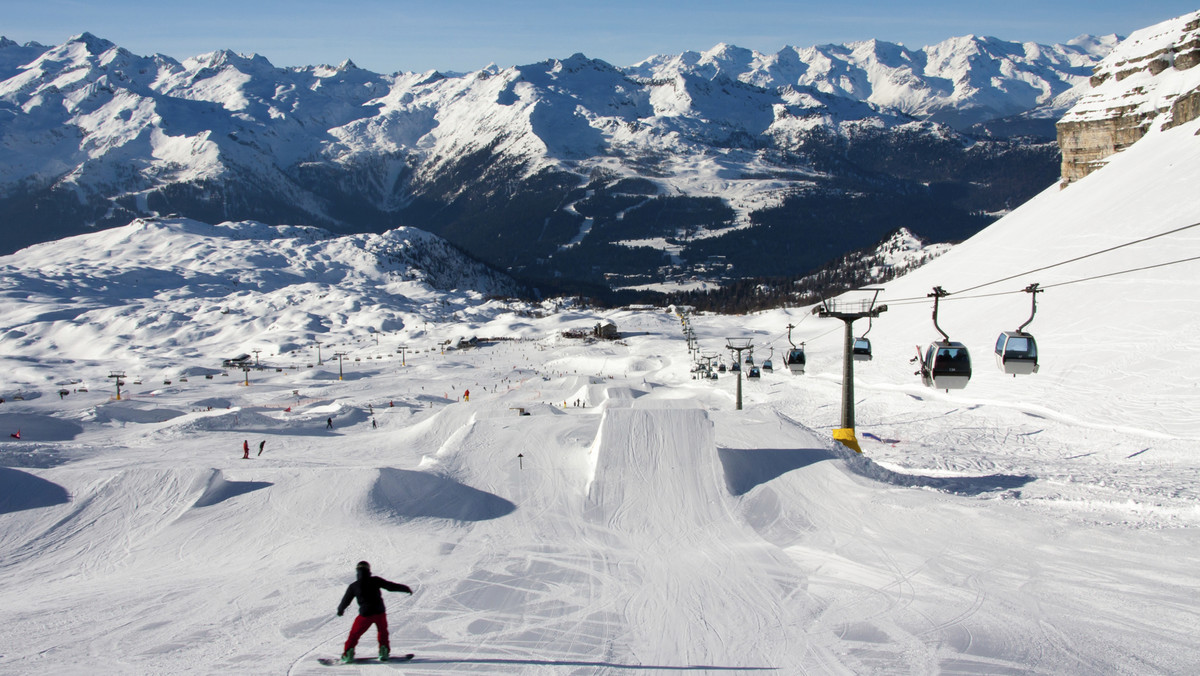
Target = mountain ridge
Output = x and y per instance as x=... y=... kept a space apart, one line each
x=95 y=136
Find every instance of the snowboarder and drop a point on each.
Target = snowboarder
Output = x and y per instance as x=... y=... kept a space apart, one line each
x=245 y=449
x=260 y=446
x=370 y=609
x=329 y=423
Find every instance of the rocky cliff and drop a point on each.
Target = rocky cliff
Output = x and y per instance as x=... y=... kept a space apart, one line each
x=1149 y=79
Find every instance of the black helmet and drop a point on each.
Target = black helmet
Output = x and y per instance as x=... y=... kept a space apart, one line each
x=363 y=565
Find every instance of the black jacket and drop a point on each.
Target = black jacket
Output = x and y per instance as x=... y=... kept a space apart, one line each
x=366 y=590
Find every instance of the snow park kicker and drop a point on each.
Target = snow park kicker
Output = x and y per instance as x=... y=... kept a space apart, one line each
x=684 y=514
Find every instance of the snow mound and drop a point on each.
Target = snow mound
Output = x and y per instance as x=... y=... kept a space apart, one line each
x=219 y=489
x=22 y=490
x=407 y=494
x=748 y=468
x=37 y=427
x=638 y=447
x=130 y=412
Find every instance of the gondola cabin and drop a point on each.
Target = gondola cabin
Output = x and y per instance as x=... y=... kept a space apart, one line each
x=795 y=360
x=1016 y=353
x=735 y=367
x=754 y=372
x=721 y=368
x=946 y=365
x=861 y=350
x=768 y=366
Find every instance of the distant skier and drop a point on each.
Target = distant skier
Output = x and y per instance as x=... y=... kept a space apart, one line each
x=329 y=423
x=366 y=589
x=466 y=395
x=260 y=446
x=373 y=423
x=245 y=449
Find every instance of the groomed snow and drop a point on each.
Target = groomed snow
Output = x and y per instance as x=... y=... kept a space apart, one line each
x=1043 y=524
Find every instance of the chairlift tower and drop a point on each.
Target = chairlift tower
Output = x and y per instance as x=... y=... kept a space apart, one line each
x=402 y=349
x=318 y=341
x=848 y=312
x=256 y=357
x=737 y=345
x=118 y=376
x=339 y=356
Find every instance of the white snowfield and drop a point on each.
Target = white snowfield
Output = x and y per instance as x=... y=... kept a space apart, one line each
x=1044 y=524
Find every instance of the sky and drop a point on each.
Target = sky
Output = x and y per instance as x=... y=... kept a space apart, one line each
x=387 y=36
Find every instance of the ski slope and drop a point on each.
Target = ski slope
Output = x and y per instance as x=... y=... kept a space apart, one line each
x=1042 y=524
x=653 y=530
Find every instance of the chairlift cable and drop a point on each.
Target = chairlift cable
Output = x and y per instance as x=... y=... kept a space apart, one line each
x=924 y=299
x=1122 y=272
x=1079 y=258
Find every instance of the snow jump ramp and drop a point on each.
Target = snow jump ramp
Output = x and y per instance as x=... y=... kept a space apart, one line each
x=672 y=450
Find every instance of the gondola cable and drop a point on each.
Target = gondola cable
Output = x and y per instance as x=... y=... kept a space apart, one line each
x=923 y=299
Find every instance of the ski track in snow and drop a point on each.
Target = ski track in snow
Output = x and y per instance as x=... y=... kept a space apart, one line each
x=623 y=548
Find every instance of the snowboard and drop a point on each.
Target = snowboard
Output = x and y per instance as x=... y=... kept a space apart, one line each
x=334 y=661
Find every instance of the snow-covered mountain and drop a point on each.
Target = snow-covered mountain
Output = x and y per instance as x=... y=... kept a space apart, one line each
x=961 y=81
x=201 y=287
x=1150 y=81
x=550 y=169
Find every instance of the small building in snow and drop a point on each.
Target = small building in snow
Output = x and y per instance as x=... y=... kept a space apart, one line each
x=606 y=330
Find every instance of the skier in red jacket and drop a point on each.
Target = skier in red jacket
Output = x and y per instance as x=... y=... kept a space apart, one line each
x=370 y=609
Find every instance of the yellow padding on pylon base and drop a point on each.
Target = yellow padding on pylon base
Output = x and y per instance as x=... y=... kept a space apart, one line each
x=845 y=435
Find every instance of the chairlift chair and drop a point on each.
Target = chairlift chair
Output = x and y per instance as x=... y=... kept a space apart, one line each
x=795 y=360
x=946 y=365
x=1016 y=351
x=861 y=351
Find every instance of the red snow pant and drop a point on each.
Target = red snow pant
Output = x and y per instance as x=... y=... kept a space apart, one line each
x=361 y=624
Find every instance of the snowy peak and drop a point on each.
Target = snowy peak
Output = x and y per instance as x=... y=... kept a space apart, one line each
x=960 y=81
x=1147 y=71
x=94 y=45
x=1150 y=81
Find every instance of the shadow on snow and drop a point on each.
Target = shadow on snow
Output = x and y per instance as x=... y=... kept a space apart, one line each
x=22 y=490
x=581 y=663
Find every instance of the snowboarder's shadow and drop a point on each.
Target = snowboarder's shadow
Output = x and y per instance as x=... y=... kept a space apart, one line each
x=582 y=663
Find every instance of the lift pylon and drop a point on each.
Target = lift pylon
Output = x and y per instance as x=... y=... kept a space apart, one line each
x=848 y=312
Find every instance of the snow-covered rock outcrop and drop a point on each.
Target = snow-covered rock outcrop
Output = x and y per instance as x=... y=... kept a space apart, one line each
x=1149 y=79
